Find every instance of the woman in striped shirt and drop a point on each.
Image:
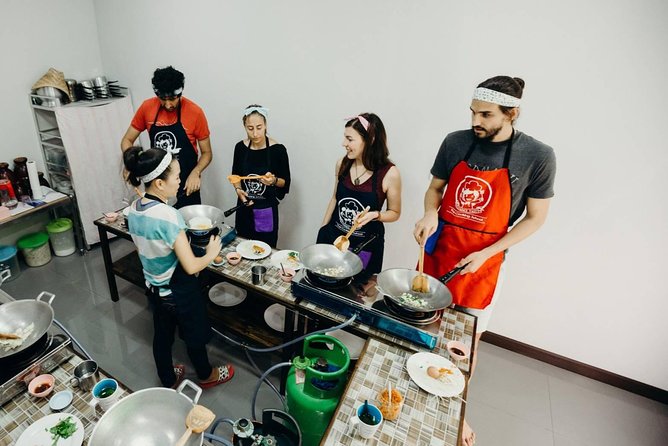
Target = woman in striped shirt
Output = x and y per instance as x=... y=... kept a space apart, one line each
x=169 y=267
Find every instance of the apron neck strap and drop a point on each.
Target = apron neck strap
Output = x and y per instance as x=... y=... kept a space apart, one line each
x=506 y=156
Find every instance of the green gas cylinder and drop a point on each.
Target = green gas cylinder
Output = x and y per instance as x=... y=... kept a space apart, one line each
x=315 y=384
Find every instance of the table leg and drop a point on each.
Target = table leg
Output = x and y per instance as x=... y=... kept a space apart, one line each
x=106 y=255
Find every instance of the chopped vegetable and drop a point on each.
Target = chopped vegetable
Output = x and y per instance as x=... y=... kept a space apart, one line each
x=64 y=429
x=412 y=300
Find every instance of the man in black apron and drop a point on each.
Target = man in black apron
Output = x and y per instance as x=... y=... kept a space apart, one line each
x=177 y=124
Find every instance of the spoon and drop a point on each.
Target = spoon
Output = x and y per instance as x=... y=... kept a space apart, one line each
x=198 y=419
x=236 y=178
x=342 y=243
x=282 y=269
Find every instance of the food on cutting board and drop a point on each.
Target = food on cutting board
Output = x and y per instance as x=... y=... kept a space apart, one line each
x=390 y=409
x=64 y=429
x=22 y=333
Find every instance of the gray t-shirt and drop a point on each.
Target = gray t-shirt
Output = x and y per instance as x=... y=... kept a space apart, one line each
x=532 y=165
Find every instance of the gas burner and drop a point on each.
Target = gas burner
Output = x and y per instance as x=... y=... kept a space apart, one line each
x=412 y=317
x=330 y=284
x=21 y=360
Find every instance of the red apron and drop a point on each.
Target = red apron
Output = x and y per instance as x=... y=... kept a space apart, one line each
x=476 y=212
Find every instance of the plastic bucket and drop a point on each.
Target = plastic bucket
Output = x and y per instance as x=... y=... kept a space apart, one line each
x=35 y=248
x=61 y=234
x=9 y=261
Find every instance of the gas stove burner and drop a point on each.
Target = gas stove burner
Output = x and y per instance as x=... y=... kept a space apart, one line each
x=323 y=282
x=201 y=238
x=405 y=315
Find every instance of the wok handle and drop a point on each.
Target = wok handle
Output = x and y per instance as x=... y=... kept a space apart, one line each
x=359 y=247
x=192 y=385
x=51 y=296
x=231 y=211
x=445 y=278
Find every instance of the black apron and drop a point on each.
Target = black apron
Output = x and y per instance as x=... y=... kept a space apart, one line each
x=174 y=136
x=259 y=221
x=184 y=302
x=349 y=203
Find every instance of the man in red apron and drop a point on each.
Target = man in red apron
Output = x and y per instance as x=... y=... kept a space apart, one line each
x=177 y=124
x=484 y=179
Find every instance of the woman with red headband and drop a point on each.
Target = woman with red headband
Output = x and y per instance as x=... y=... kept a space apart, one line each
x=365 y=177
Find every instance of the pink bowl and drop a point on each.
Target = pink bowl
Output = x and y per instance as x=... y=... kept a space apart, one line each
x=111 y=216
x=233 y=258
x=452 y=346
x=289 y=274
x=40 y=381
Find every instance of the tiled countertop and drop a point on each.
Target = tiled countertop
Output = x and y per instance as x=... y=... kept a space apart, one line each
x=424 y=419
x=24 y=409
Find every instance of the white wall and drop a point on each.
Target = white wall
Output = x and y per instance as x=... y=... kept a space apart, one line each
x=36 y=35
x=589 y=285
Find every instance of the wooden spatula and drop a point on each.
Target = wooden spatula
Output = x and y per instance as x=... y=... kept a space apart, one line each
x=420 y=282
x=236 y=178
x=198 y=419
x=9 y=336
x=342 y=243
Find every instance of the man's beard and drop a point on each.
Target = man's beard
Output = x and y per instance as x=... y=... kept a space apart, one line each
x=489 y=134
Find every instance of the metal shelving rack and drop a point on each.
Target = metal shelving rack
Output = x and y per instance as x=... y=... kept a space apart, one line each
x=54 y=152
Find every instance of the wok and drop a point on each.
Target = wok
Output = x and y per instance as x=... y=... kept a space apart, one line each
x=397 y=281
x=153 y=416
x=20 y=314
x=202 y=210
x=322 y=256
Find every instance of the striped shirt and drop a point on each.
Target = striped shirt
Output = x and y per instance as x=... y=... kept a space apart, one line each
x=154 y=227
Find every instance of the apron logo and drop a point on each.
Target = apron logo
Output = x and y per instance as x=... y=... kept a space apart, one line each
x=254 y=188
x=349 y=209
x=472 y=196
x=165 y=140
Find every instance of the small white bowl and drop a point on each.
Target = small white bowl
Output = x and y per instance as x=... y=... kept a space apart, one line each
x=61 y=400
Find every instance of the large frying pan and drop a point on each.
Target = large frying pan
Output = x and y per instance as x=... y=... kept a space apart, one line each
x=322 y=256
x=397 y=281
x=20 y=314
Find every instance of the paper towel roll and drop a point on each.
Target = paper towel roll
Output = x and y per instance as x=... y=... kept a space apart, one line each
x=34 y=181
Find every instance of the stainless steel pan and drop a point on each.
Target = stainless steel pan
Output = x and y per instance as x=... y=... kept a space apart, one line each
x=20 y=314
x=397 y=281
x=322 y=256
x=153 y=416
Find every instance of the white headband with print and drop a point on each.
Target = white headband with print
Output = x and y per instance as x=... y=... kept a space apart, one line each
x=495 y=97
x=160 y=168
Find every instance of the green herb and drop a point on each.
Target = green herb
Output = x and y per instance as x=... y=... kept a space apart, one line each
x=64 y=429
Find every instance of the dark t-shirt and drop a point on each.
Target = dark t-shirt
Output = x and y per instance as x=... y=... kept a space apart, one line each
x=277 y=159
x=532 y=165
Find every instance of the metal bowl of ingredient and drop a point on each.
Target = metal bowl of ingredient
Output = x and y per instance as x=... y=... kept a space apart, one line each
x=149 y=417
x=327 y=261
x=397 y=284
x=28 y=319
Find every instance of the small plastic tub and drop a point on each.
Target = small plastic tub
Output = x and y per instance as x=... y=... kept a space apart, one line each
x=61 y=234
x=10 y=261
x=35 y=248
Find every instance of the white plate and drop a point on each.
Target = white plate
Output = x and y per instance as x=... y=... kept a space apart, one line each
x=245 y=248
x=60 y=400
x=226 y=295
x=274 y=316
x=417 y=366
x=355 y=344
x=284 y=257
x=37 y=433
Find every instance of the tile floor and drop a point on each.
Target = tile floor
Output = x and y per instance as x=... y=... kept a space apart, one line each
x=513 y=400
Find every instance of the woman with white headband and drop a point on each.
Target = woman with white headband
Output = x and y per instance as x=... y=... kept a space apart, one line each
x=263 y=156
x=169 y=267
x=364 y=177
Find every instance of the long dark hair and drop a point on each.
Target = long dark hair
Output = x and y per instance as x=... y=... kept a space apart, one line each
x=512 y=86
x=375 y=154
x=139 y=162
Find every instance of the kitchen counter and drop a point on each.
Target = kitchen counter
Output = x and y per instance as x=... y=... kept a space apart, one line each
x=24 y=409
